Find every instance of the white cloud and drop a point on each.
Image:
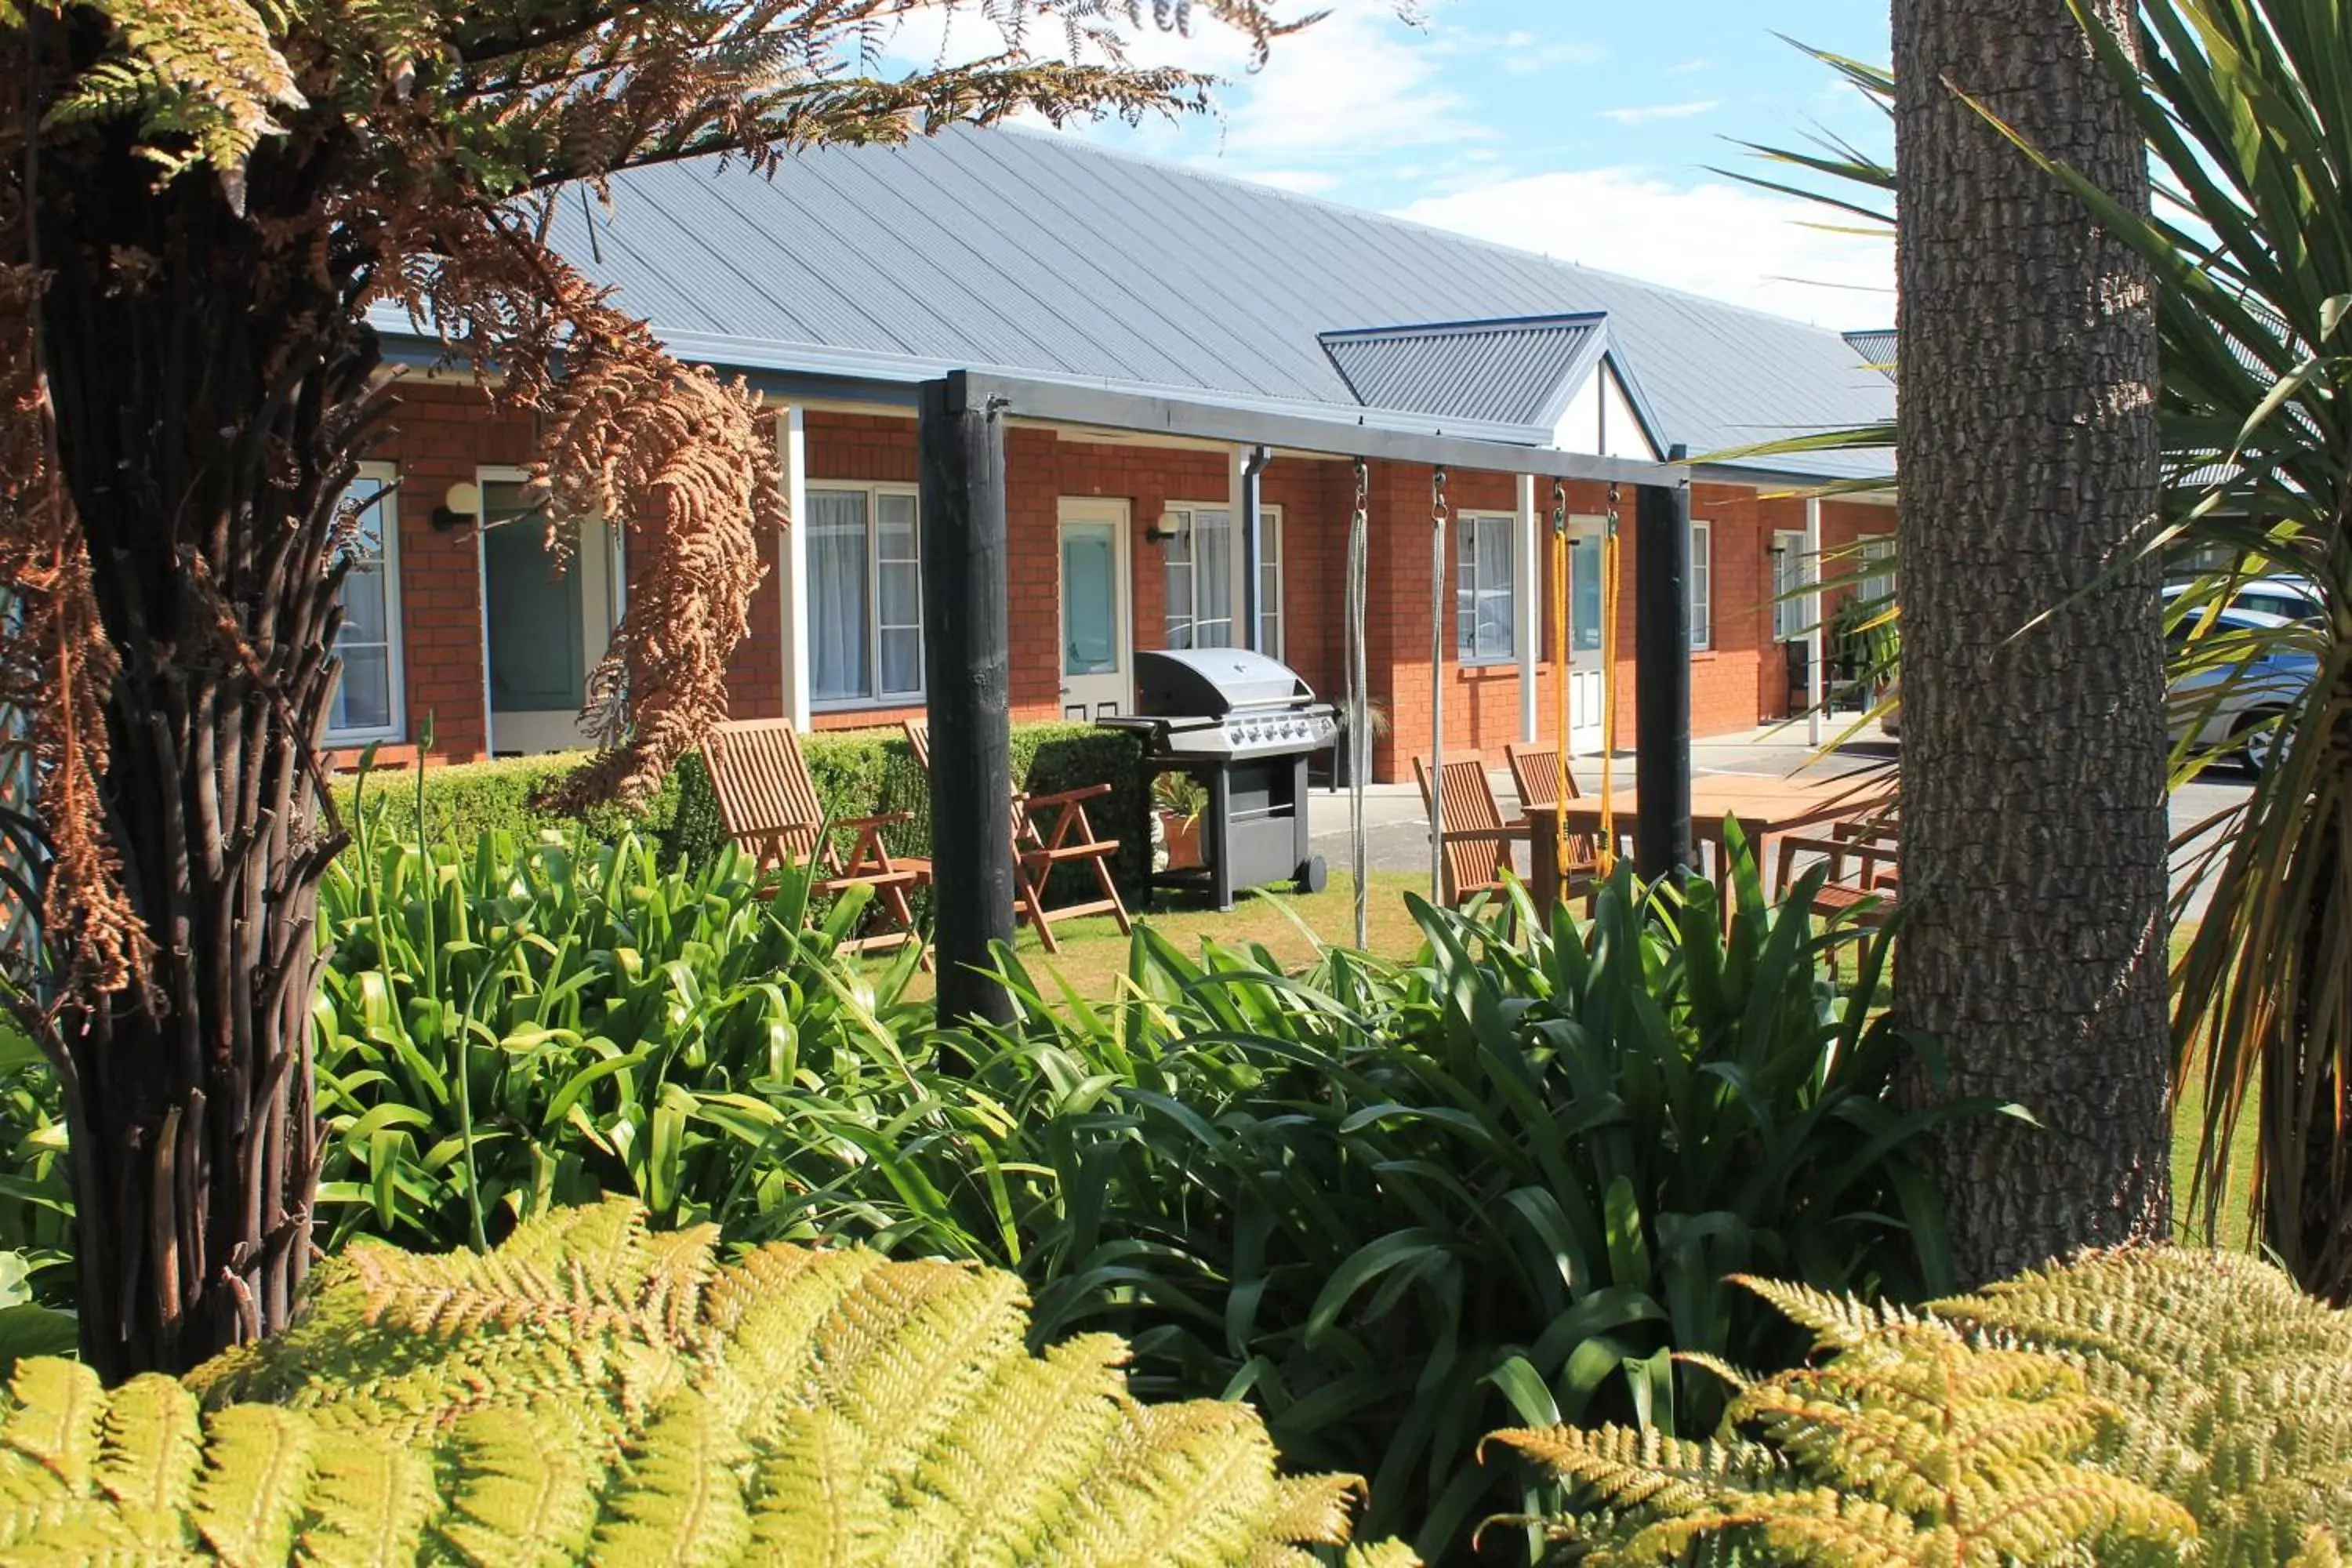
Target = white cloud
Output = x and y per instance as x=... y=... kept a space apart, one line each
x=1643 y=114
x=1356 y=81
x=1710 y=239
x=1688 y=67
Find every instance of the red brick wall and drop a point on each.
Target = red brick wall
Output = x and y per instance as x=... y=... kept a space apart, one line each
x=444 y=432
x=440 y=434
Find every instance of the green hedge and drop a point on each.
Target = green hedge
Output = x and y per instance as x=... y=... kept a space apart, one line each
x=857 y=773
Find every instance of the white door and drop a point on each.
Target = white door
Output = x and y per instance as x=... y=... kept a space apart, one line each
x=1097 y=642
x=1588 y=679
x=544 y=624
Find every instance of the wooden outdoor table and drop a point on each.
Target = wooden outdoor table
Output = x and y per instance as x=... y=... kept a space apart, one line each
x=1766 y=807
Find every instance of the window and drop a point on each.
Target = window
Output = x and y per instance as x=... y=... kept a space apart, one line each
x=1790 y=564
x=865 y=596
x=1485 y=589
x=1875 y=553
x=366 y=705
x=1269 y=581
x=1204 y=580
x=1702 y=586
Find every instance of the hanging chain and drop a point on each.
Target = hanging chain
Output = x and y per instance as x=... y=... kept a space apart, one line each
x=1360 y=734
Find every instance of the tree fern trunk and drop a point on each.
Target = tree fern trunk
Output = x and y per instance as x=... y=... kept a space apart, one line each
x=2034 y=766
x=190 y=1097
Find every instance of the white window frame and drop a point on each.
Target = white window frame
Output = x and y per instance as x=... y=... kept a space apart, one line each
x=1271 y=631
x=1466 y=522
x=1702 y=585
x=1269 y=539
x=396 y=656
x=1788 y=622
x=876 y=696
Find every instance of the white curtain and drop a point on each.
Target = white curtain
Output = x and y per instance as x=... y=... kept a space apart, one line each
x=1212 y=579
x=837 y=596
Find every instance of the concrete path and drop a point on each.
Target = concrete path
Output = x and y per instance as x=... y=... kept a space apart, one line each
x=1399 y=826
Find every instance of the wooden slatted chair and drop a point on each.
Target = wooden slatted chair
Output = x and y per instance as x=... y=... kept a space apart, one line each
x=1866 y=898
x=1536 y=775
x=770 y=807
x=1476 y=841
x=1050 y=831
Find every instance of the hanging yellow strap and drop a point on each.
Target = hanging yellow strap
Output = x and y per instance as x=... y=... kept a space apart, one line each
x=1559 y=651
x=1605 y=852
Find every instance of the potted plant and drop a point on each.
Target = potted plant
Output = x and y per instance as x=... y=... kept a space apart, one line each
x=1177 y=800
x=1376 y=720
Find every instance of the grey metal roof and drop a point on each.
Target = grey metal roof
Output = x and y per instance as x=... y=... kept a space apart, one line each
x=1047 y=254
x=1877 y=348
x=1503 y=372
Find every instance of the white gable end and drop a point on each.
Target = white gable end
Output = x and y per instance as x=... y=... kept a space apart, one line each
x=1621 y=431
x=1600 y=420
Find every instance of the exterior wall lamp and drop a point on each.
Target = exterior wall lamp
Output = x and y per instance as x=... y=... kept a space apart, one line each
x=461 y=506
x=1168 y=527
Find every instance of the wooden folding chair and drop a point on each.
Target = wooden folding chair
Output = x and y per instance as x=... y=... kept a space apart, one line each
x=1039 y=847
x=1476 y=841
x=1536 y=775
x=770 y=807
x=1864 y=899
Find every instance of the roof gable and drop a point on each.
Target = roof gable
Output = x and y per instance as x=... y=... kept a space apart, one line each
x=1518 y=373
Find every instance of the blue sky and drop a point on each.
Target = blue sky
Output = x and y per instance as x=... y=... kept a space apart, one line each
x=1581 y=129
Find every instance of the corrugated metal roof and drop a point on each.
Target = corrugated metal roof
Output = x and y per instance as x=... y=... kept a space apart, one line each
x=1048 y=254
x=1503 y=373
x=1877 y=348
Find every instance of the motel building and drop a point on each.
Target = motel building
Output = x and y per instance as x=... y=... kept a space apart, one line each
x=853 y=276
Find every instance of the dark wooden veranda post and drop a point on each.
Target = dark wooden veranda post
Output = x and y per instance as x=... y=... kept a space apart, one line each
x=1661 y=648
x=966 y=669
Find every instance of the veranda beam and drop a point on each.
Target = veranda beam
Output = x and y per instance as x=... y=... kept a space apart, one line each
x=967 y=667
x=1066 y=404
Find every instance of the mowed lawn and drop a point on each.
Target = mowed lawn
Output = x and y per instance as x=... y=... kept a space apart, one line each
x=1094 y=957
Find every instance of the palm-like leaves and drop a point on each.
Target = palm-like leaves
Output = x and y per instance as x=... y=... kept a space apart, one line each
x=2247 y=107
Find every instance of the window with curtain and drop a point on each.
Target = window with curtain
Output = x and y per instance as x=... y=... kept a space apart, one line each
x=1702 y=586
x=865 y=596
x=1876 y=557
x=1202 y=582
x=1486 y=588
x=1199 y=580
x=1789 y=621
x=366 y=705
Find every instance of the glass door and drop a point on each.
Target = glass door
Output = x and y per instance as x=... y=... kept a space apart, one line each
x=1094 y=610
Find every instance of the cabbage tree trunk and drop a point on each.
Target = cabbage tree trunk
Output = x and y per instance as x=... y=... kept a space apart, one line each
x=2033 y=749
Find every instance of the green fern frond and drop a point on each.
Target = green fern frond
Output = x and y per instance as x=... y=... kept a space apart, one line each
x=679 y=1502
x=594 y=1393
x=150 y=1450
x=257 y=1469
x=2154 y=1406
x=522 y=1498
x=53 y=1417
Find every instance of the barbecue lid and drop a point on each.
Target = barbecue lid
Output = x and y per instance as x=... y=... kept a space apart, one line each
x=1213 y=681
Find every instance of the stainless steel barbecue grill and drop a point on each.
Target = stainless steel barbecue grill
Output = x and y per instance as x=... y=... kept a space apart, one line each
x=1244 y=725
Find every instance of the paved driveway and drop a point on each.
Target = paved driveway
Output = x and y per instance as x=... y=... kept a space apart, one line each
x=1399 y=826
